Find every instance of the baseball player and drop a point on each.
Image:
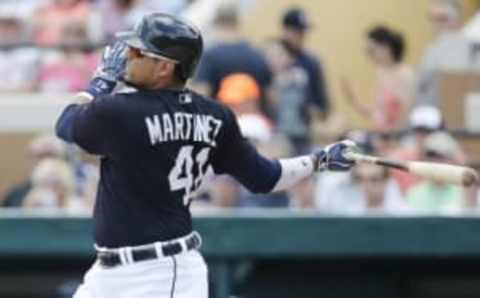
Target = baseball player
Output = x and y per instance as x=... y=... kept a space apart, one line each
x=156 y=142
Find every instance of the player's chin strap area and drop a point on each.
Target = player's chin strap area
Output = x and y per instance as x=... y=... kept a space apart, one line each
x=112 y=257
x=294 y=170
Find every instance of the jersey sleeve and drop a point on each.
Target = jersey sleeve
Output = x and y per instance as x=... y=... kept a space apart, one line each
x=237 y=157
x=90 y=126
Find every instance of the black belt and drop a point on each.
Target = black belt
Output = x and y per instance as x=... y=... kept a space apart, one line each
x=123 y=256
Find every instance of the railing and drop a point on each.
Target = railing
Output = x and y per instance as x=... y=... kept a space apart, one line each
x=230 y=236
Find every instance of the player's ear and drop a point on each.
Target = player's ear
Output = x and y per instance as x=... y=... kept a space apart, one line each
x=165 y=68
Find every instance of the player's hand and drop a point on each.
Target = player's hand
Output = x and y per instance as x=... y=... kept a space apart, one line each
x=113 y=62
x=332 y=157
x=110 y=70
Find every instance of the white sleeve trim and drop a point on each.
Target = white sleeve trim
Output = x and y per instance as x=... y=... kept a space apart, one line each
x=294 y=170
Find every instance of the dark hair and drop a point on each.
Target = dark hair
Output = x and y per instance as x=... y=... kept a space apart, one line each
x=393 y=40
x=296 y=19
x=227 y=16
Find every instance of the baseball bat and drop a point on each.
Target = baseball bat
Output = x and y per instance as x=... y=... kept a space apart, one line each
x=428 y=170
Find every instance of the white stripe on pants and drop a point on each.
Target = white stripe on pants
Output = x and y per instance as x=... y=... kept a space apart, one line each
x=180 y=276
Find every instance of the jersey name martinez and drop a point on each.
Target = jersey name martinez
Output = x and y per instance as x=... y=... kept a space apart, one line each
x=183 y=127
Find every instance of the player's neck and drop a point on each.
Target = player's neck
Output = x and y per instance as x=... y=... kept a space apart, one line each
x=171 y=84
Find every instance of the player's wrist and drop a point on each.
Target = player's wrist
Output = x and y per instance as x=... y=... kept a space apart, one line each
x=294 y=170
x=100 y=86
x=318 y=158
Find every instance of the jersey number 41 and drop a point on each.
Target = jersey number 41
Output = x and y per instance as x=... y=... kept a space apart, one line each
x=181 y=176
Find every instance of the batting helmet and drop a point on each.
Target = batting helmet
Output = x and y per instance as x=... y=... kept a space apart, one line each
x=163 y=36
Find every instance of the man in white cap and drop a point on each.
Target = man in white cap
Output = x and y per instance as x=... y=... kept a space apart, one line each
x=423 y=121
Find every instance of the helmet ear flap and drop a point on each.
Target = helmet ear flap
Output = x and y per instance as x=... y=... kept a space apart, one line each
x=179 y=73
x=184 y=71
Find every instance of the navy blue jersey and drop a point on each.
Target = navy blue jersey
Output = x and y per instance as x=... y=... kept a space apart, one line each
x=317 y=88
x=235 y=57
x=155 y=148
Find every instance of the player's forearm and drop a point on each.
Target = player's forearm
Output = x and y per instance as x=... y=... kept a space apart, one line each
x=262 y=175
x=332 y=158
x=294 y=170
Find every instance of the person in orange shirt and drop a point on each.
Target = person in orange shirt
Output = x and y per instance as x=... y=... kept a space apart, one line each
x=393 y=89
x=241 y=93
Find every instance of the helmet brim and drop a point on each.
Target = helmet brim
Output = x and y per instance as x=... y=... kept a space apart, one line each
x=131 y=39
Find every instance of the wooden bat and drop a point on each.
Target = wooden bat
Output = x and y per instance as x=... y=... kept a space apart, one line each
x=428 y=170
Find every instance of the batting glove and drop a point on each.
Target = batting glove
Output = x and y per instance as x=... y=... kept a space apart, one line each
x=332 y=157
x=110 y=70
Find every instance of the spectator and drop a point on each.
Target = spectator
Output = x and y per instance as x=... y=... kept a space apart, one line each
x=423 y=122
x=368 y=188
x=290 y=91
x=120 y=15
x=384 y=142
x=449 y=51
x=432 y=196
x=472 y=198
x=68 y=70
x=258 y=130
x=472 y=193
x=241 y=93
x=53 y=187
x=50 y=21
x=14 y=53
x=231 y=54
x=115 y=17
x=337 y=193
x=13 y=27
x=302 y=195
x=393 y=90
x=295 y=28
x=374 y=182
x=224 y=192
x=41 y=148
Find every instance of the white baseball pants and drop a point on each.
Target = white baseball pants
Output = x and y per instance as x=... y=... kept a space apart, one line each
x=180 y=276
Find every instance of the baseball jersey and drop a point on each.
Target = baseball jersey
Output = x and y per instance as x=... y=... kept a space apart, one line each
x=155 y=148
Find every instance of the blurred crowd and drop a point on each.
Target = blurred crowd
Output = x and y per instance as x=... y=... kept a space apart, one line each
x=54 y=44
x=279 y=93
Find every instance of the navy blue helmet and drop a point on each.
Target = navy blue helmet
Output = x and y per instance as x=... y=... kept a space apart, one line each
x=167 y=37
